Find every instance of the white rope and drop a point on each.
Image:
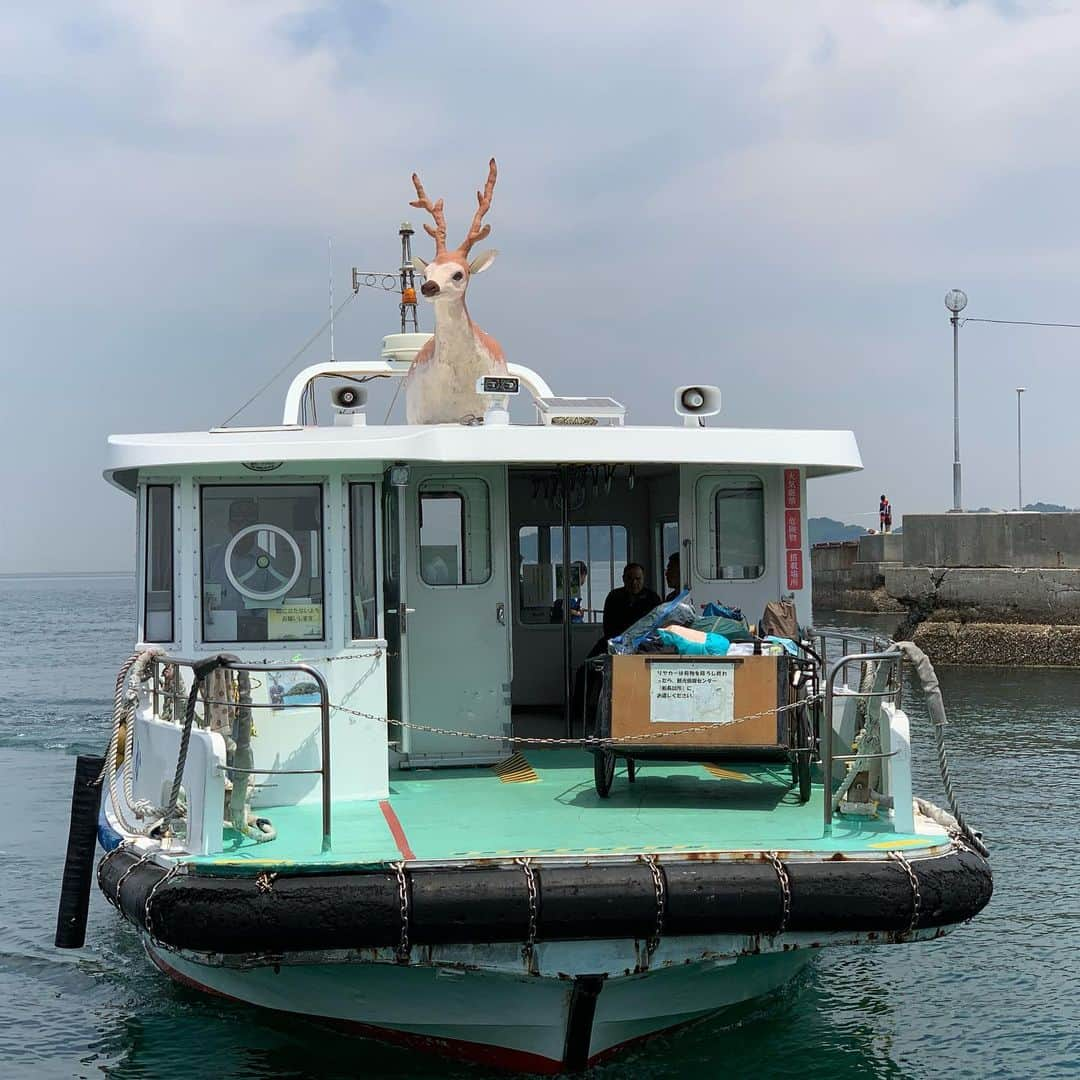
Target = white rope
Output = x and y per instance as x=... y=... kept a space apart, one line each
x=132 y=672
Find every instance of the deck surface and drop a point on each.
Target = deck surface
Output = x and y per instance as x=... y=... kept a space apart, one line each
x=547 y=805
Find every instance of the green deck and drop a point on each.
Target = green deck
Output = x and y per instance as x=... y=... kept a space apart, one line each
x=470 y=813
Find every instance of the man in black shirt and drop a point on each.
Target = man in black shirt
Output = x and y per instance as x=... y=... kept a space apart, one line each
x=624 y=606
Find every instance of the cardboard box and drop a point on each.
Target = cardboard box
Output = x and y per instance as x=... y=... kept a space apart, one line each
x=650 y=693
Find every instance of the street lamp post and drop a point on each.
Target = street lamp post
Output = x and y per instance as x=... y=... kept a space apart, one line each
x=956 y=301
x=1019 y=455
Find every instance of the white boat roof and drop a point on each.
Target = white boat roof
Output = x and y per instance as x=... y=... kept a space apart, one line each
x=819 y=453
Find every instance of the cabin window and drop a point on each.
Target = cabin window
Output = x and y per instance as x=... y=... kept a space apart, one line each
x=598 y=556
x=731 y=527
x=262 y=566
x=362 y=569
x=160 y=589
x=455 y=532
x=669 y=540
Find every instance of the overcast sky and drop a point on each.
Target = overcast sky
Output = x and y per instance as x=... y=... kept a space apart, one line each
x=773 y=197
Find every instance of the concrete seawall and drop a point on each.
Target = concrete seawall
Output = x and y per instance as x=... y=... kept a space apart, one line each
x=1013 y=541
x=991 y=588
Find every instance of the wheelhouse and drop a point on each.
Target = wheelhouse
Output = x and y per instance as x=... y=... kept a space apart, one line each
x=451 y=577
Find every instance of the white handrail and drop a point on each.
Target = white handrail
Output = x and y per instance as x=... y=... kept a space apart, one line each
x=392 y=369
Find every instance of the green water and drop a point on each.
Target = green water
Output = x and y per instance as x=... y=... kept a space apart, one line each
x=1000 y=997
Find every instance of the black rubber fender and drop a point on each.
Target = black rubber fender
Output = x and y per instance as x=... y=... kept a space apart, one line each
x=479 y=905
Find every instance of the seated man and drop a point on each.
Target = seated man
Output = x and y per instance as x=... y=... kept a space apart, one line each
x=624 y=606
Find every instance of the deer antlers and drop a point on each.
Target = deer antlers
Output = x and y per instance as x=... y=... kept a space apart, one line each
x=483 y=200
x=476 y=231
x=436 y=211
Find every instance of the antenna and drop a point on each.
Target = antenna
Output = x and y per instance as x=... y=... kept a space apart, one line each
x=330 y=268
x=403 y=281
x=408 y=279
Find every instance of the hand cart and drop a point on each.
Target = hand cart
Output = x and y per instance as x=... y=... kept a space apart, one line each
x=660 y=707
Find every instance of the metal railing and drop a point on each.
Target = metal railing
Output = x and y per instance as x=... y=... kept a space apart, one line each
x=871 y=649
x=179 y=698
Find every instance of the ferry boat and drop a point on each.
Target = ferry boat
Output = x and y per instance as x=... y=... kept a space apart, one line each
x=373 y=762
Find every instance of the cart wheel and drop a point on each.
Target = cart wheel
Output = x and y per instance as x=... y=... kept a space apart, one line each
x=631 y=770
x=603 y=771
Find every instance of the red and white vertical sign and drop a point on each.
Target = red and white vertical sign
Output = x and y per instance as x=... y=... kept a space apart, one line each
x=793 y=528
x=792 y=489
x=794 y=570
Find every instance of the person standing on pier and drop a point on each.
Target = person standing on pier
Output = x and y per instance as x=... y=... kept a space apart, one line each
x=885 y=515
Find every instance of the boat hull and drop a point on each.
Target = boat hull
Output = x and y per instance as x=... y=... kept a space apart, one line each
x=529 y=1023
x=542 y=972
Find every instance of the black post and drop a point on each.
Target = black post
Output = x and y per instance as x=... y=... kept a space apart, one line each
x=79 y=863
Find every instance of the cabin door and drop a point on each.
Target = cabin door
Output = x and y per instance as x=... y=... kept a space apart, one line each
x=457 y=631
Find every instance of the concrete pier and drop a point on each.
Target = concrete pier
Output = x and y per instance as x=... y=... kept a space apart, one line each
x=849 y=575
x=992 y=588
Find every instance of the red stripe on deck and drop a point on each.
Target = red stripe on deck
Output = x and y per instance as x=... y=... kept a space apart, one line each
x=396 y=831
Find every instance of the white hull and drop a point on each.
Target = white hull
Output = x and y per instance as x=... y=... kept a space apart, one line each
x=516 y=1021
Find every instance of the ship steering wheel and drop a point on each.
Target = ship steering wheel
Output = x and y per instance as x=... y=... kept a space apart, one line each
x=263 y=562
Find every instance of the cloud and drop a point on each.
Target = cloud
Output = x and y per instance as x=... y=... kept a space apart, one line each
x=774 y=197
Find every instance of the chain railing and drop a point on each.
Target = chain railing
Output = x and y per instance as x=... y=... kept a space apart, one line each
x=871 y=650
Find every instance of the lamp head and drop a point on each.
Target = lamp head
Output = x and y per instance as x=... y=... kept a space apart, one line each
x=956 y=300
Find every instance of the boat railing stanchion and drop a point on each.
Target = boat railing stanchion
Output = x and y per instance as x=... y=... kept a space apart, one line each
x=893 y=658
x=324 y=716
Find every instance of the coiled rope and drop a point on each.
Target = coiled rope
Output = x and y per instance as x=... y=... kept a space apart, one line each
x=132 y=672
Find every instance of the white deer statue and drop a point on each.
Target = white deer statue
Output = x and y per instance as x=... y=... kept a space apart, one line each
x=441 y=384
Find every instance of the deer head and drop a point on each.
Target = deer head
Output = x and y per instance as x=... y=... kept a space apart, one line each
x=446 y=277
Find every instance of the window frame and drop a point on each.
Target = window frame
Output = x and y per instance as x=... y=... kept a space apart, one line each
x=712 y=568
x=661 y=557
x=147 y=488
x=376 y=568
x=467 y=509
x=555 y=526
x=321 y=484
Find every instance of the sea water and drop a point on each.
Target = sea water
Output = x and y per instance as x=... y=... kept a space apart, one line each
x=999 y=997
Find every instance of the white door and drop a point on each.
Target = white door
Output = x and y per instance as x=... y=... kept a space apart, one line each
x=457 y=633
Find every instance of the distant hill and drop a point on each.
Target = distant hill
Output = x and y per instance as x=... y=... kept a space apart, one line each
x=824 y=530
x=1034 y=508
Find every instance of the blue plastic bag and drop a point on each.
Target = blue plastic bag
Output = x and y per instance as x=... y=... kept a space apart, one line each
x=788 y=645
x=674 y=612
x=723 y=611
x=713 y=645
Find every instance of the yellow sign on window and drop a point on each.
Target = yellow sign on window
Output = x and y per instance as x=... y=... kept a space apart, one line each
x=294 y=621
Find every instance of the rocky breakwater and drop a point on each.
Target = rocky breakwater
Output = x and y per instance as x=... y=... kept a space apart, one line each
x=991 y=589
